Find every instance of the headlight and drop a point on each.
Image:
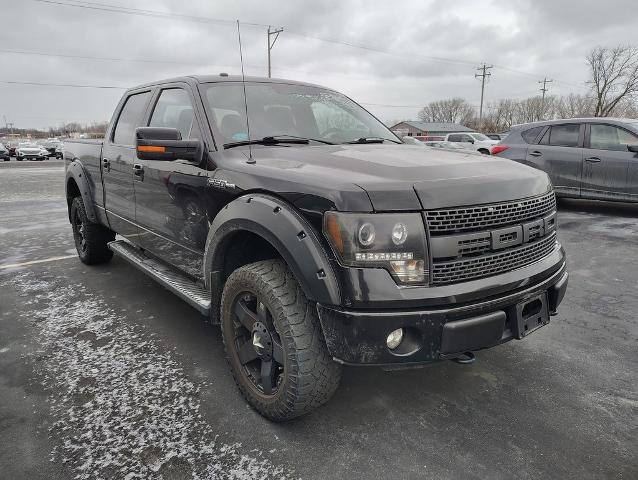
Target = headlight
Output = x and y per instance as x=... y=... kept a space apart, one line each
x=394 y=241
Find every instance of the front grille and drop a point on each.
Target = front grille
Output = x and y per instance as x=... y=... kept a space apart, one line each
x=492 y=264
x=481 y=217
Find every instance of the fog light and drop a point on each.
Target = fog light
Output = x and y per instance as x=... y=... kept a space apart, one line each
x=394 y=339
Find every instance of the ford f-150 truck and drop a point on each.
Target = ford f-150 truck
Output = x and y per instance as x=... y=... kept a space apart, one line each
x=294 y=219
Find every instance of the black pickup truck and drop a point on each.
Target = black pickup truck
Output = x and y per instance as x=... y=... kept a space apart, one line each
x=294 y=219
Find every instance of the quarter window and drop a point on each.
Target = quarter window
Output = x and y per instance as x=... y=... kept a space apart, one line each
x=174 y=110
x=564 y=135
x=530 y=135
x=608 y=137
x=130 y=118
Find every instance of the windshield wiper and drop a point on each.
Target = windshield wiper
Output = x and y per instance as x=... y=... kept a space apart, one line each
x=275 y=140
x=372 y=140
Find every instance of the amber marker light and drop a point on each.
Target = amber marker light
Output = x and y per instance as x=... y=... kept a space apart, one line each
x=334 y=232
x=151 y=149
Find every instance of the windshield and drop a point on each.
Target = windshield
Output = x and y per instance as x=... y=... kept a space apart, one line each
x=479 y=136
x=276 y=109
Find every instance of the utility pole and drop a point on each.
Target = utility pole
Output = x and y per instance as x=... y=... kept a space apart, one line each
x=276 y=33
x=544 y=89
x=484 y=69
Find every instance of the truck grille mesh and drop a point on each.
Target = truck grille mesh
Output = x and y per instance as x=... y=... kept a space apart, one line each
x=492 y=264
x=484 y=216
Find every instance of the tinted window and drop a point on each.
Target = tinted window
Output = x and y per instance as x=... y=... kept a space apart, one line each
x=174 y=110
x=564 y=135
x=454 y=138
x=130 y=118
x=285 y=109
x=608 y=137
x=530 y=135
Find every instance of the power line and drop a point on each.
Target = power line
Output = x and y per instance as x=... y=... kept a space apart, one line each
x=70 y=85
x=145 y=12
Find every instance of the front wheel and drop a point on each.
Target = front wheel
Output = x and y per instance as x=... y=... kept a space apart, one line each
x=91 y=239
x=274 y=343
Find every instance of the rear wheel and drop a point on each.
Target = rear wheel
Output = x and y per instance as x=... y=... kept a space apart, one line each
x=274 y=343
x=91 y=239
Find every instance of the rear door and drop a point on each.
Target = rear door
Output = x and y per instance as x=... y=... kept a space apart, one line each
x=559 y=153
x=170 y=196
x=606 y=161
x=118 y=156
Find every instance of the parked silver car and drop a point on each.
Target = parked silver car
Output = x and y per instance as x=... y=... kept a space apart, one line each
x=594 y=158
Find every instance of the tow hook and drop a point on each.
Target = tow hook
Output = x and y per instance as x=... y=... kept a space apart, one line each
x=464 y=358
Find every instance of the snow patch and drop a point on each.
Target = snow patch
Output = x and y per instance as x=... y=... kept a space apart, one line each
x=122 y=407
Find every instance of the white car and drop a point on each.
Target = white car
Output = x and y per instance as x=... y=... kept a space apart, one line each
x=31 y=151
x=472 y=140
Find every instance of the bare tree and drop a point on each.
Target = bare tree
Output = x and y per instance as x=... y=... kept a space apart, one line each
x=575 y=105
x=614 y=76
x=455 y=110
x=533 y=109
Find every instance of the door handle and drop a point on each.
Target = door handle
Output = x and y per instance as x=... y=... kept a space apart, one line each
x=138 y=171
x=592 y=159
x=106 y=163
x=536 y=153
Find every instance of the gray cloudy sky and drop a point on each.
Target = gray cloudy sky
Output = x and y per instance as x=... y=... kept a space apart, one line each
x=433 y=48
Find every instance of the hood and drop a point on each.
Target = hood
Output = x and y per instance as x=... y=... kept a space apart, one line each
x=396 y=177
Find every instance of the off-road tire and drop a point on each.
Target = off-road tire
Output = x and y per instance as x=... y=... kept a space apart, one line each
x=310 y=376
x=95 y=236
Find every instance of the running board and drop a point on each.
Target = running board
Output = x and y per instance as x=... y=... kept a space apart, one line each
x=178 y=283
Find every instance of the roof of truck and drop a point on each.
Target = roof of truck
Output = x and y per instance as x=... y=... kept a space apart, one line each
x=224 y=78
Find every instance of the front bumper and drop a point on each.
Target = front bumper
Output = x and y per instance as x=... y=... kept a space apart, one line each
x=358 y=337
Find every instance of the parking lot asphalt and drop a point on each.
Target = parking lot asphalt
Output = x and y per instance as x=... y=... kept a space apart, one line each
x=105 y=374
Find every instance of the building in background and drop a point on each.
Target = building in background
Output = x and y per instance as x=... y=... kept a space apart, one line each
x=413 y=128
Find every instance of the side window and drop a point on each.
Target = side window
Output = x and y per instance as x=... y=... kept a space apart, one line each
x=454 y=138
x=530 y=135
x=564 y=135
x=467 y=138
x=608 y=137
x=175 y=110
x=130 y=118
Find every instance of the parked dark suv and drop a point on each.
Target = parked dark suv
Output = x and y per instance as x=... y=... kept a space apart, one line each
x=593 y=158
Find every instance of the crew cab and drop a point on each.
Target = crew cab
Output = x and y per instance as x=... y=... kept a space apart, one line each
x=290 y=216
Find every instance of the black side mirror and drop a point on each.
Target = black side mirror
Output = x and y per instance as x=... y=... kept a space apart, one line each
x=166 y=144
x=471 y=140
x=633 y=147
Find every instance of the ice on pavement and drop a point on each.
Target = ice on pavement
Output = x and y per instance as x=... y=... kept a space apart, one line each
x=122 y=407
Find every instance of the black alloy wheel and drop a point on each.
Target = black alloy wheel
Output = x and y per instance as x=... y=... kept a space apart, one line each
x=257 y=344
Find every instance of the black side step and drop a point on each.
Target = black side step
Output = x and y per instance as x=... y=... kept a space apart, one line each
x=181 y=285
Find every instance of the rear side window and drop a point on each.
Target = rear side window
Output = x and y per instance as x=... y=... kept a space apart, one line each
x=130 y=118
x=454 y=138
x=530 y=135
x=564 y=135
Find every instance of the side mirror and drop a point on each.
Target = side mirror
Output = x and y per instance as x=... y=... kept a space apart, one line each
x=471 y=140
x=166 y=144
x=633 y=147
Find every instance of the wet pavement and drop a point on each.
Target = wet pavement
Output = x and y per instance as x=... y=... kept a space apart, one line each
x=105 y=374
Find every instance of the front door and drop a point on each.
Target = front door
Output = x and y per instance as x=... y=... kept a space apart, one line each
x=170 y=195
x=559 y=153
x=606 y=162
x=118 y=156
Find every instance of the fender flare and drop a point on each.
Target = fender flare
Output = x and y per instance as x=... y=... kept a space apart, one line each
x=287 y=231
x=76 y=171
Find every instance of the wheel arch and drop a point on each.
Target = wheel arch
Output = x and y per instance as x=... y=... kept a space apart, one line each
x=274 y=228
x=77 y=183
